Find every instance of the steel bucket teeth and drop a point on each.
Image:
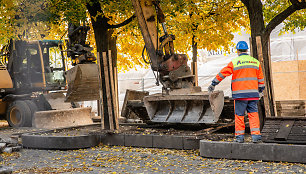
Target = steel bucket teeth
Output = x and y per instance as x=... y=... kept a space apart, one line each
x=83 y=83
x=194 y=108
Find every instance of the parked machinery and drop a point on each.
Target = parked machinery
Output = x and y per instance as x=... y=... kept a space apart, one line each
x=34 y=76
x=29 y=69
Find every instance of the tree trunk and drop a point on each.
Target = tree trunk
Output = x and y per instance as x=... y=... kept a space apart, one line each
x=255 y=12
x=194 y=65
x=102 y=35
x=113 y=48
x=105 y=42
x=268 y=73
x=254 y=8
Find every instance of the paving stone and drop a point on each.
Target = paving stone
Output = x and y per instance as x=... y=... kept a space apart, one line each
x=191 y=143
x=8 y=140
x=17 y=148
x=290 y=153
x=138 y=140
x=2 y=145
x=251 y=151
x=8 y=150
x=6 y=170
x=168 y=141
x=112 y=139
x=215 y=149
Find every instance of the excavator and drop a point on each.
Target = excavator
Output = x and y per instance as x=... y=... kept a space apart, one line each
x=32 y=84
x=180 y=101
x=34 y=77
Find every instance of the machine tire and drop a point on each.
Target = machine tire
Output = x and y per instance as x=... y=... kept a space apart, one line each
x=19 y=114
x=33 y=107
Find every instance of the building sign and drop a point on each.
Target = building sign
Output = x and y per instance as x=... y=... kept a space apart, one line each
x=221 y=52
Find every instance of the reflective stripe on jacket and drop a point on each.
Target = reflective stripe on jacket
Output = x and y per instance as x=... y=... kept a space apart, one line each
x=247 y=79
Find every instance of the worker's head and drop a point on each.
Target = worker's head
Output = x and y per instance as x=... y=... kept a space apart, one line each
x=242 y=47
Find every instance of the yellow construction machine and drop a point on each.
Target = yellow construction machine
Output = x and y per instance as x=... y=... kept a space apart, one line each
x=33 y=81
x=180 y=101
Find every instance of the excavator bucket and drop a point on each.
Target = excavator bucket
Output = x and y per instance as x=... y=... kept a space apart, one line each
x=53 y=119
x=200 y=107
x=83 y=83
x=60 y=113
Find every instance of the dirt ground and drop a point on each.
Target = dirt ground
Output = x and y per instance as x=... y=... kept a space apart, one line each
x=117 y=159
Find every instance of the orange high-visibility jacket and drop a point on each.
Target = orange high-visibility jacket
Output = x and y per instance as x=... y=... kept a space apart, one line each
x=247 y=79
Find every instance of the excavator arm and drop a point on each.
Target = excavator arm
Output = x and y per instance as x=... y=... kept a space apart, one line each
x=174 y=73
x=83 y=78
x=182 y=103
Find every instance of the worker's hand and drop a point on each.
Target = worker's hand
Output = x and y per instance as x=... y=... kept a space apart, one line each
x=261 y=94
x=211 y=88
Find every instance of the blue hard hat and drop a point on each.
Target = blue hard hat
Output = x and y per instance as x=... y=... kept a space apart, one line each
x=242 y=45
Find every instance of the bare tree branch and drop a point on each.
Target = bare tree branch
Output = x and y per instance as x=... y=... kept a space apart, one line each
x=293 y=2
x=123 y=23
x=298 y=3
x=246 y=3
x=283 y=15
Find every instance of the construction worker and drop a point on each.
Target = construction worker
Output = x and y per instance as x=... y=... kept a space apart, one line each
x=247 y=84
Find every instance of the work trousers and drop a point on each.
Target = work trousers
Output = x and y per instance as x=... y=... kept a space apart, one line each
x=251 y=107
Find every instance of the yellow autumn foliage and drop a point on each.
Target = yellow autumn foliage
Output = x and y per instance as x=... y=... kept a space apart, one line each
x=212 y=23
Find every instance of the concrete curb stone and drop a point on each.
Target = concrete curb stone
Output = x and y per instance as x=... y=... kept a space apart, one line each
x=155 y=141
x=112 y=139
x=191 y=143
x=216 y=149
x=58 y=142
x=168 y=141
x=138 y=140
x=290 y=153
x=251 y=151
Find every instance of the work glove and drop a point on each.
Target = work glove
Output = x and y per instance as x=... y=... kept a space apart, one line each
x=261 y=94
x=211 y=88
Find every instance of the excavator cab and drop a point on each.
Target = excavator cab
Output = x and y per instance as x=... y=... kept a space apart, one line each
x=54 y=63
x=35 y=65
